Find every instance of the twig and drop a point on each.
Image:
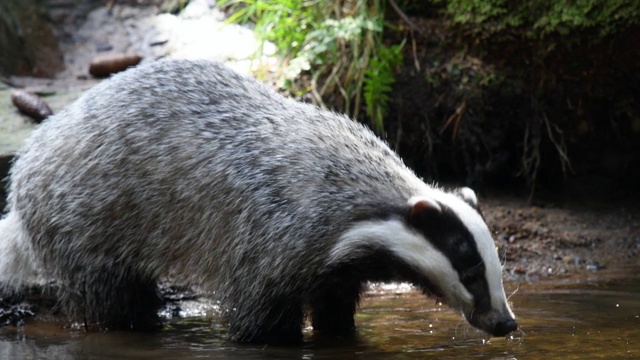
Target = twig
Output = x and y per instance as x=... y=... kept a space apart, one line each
x=561 y=147
x=405 y=17
x=457 y=116
x=531 y=155
x=331 y=77
x=316 y=96
x=414 y=52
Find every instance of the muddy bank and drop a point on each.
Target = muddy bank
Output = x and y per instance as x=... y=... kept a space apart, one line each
x=551 y=240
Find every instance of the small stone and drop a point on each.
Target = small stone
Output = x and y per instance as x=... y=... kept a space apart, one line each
x=594 y=266
x=31 y=105
x=103 y=46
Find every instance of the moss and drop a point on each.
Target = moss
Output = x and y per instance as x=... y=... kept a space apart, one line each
x=539 y=19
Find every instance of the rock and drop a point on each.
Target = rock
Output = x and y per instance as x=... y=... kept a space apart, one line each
x=594 y=266
x=103 y=47
x=106 y=65
x=31 y=105
x=27 y=42
x=15 y=127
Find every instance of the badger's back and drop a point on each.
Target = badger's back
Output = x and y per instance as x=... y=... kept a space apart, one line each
x=189 y=164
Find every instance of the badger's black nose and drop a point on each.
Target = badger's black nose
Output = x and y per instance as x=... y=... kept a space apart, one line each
x=504 y=327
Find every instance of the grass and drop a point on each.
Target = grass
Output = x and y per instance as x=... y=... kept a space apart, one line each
x=338 y=44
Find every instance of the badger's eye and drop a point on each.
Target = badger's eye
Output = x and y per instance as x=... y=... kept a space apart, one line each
x=467 y=278
x=472 y=274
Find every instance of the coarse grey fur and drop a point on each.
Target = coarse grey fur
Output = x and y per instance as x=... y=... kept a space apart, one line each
x=187 y=167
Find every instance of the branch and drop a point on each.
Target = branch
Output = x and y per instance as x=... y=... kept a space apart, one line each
x=404 y=17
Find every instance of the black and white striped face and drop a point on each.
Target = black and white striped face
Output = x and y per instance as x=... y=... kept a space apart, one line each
x=446 y=242
x=470 y=277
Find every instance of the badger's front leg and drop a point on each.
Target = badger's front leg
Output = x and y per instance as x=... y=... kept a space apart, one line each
x=333 y=307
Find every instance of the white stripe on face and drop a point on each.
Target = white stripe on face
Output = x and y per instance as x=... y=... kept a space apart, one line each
x=485 y=245
x=397 y=238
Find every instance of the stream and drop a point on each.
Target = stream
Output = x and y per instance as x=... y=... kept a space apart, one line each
x=591 y=316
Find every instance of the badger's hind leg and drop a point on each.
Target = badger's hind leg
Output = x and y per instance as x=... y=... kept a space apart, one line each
x=270 y=321
x=114 y=301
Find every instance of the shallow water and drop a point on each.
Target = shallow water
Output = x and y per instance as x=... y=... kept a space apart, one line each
x=572 y=319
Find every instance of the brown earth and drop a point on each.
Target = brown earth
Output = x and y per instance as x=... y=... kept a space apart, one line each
x=549 y=239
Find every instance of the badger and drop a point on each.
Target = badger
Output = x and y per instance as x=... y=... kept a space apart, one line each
x=281 y=210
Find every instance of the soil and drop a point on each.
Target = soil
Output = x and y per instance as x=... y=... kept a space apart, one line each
x=551 y=239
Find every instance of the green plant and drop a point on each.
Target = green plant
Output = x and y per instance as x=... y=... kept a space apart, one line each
x=285 y=23
x=338 y=43
x=378 y=80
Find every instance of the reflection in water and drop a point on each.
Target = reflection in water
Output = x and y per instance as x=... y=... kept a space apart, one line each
x=569 y=321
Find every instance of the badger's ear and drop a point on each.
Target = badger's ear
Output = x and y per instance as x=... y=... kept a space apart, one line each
x=468 y=195
x=420 y=208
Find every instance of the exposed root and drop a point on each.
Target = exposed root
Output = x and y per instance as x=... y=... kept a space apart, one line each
x=535 y=130
x=456 y=119
x=559 y=144
x=531 y=155
x=404 y=17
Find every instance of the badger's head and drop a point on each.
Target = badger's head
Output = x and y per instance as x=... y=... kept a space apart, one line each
x=448 y=250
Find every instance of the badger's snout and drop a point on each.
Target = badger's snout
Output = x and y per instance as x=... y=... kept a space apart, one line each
x=504 y=327
x=496 y=325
